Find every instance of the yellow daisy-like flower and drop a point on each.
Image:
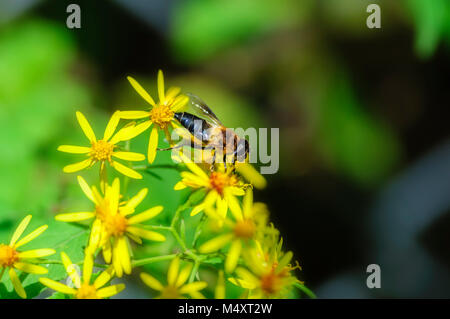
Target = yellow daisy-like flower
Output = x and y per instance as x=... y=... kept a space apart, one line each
x=161 y=114
x=269 y=274
x=222 y=187
x=105 y=149
x=113 y=226
x=176 y=283
x=241 y=232
x=83 y=288
x=11 y=258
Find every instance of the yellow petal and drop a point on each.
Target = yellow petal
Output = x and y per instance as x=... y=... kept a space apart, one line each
x=57 y=286
x=16 y=283
x=36 y=253
x=151 y=282
x=184 y=275
x=126 y=170
x=96 y=229
x=20 y=229
x=134 y=115
x=87 y=266
x=222 y=207
x=85 y=188
x=87 y=129
x=104 y=277
x=30 y=268
x=234 y=206
x=179 y=103
x=148 y=214
x=129 y=156
x=248 y=203
x=247 y=276
x=124 y=254
x=77 y=166
x=179 y=186
x=71 y=270
x=31 y=236
x=129 y=131
x=74 y=217
x=233 y=255
x=107 y=253
x=74 y=149
x=110 y=290
x=161 y=86
x=251 y=174
x=215 y=243
x=116 y=259
x=219 y=291
x=197 y=209
x=141 y=91
x=172 y=92
x=111 y=126
x=114 y=196
x=242 y=283
x=137 y=199
x=172 y=273
x=152 y=145
x=194 y=167
x=146 y=234
x=193 y=286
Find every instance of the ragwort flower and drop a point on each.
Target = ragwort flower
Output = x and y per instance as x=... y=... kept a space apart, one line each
x=160 y=114
x=83 y=287
x=11 y=258
x=112 y=225
x=241 y=232
x=105 y=149
x=222 y=187
x=269 y=272
x=176 y=283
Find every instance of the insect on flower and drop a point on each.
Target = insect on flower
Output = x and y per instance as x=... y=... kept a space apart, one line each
x=11 y=258
x=105 y=149
x=209 y=134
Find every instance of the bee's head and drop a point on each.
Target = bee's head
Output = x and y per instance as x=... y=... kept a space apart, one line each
x=242 y=150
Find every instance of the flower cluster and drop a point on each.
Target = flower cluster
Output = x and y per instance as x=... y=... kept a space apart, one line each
x=232 y=236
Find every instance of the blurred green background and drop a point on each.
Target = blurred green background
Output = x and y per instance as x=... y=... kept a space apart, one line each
x=364 y=149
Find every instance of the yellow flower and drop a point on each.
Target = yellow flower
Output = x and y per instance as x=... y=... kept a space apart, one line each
x=222 y=187
x=241 y=232
x=161 y=114
x=11 y=258
x=269 y=273
x=83 y=288
x=113 y=226
x=176 y=283
x=105 y=149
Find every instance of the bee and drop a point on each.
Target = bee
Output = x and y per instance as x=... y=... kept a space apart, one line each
x=208 y=133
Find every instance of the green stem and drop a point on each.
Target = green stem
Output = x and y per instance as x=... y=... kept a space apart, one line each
x=1 y=274
x=194 y=271
x=305 y=290
x=145 y=261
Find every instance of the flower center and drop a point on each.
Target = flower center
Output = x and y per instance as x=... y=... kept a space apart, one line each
x=102 y=150
x=244 y=229
x=271 y=283
x=87 y=291
x=102 y=210
x=219 y=181
x=170 y=292
x=161 y=115
x=115 y=225
x=8 y=256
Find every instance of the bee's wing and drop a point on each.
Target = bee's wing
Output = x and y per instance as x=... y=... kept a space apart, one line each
x=200 y=106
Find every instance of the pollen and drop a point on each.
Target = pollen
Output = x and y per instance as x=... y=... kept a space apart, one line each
x=244 y=229
x=87 y=291
x=8 y=256
x=116 y=224
x=271 y=283
x=219 y=181
x=162 y=115
x=102 y=150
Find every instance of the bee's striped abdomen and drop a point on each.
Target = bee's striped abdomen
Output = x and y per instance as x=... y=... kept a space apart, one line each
x=197 y=126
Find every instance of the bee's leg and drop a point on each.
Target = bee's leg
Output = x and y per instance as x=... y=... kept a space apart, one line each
x=170 y=148
x=213 y=161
